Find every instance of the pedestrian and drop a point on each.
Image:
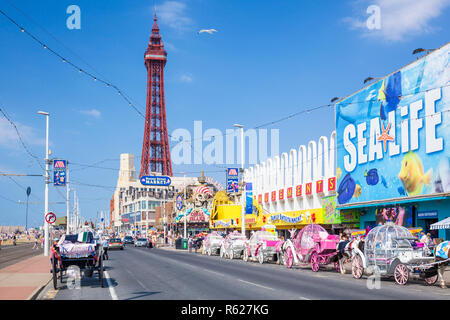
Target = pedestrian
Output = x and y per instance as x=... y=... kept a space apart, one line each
x=105 y=244
x=14 y=239
x=429 y=241
x=42 y=242
x=35 y=244
x=423 y=237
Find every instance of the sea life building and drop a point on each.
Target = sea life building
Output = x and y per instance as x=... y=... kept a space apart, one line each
x=393 y=147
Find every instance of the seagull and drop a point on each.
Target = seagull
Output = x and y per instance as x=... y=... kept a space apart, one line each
x=210 y=31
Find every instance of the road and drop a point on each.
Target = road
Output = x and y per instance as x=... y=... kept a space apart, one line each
x=12 y=254
x=158 y=274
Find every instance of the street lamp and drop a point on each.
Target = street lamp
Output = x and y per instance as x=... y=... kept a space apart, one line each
x=26 y=218
x=242 y=177
x=47 y=178
x=184 y=201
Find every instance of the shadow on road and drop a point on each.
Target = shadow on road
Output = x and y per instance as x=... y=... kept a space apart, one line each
x=143 y=294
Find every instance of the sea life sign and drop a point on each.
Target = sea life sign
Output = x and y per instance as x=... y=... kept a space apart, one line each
x=393 y=136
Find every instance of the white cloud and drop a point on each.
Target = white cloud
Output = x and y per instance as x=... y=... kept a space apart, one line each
x=173 y=14
x=10 y=139
x=93 y=113
x=186 y=78
x=400 y=19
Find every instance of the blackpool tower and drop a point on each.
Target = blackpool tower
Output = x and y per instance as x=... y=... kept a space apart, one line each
x=155 y=148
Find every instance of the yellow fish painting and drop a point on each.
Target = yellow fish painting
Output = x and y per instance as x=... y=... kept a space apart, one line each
x=338 y=173
x=412 y=175
x=358 y=191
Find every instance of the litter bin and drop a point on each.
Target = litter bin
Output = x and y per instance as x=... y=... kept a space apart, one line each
x=178 y=244
x=185 y=244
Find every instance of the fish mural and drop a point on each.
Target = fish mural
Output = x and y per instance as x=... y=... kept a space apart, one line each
x=413 y=157
x=383 y=182
x=346 y=189
x=390 y=94
x=371 y=177
x=338 y=173
x=412 y=174
x=358 y=191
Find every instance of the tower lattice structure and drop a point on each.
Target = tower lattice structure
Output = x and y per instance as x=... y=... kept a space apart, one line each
x=155 y=148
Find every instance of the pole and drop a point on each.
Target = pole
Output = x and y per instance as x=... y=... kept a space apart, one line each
x=26 y=217
x=184 y=205
x=164 y=221
x=47 y=178
x=242 y=177
x=67 y=200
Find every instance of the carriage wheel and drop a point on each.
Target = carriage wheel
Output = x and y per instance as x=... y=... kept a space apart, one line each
x=100 y=271
x=54 y=273
x=401 y=274
x=314 y=262
x=60 y=274
x=337 y=266
x=357 y=268
x=230 y=254
x=208 y=251
x=431 y=280
x=245 y=255
x=288 y=257
x=260 y=257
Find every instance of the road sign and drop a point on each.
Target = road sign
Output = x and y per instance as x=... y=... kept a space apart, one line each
x=179 y=202
x=59 y=172
x=155 y=181
x=50 y=217
x=232 y=180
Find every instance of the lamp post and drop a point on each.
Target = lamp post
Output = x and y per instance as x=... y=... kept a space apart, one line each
x=242 y=177
x=184 y=207
x=26 y=217
x=47 y=181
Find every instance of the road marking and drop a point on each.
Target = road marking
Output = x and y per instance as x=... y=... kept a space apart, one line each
x=255 y=284
x=112 y=291
x=219 y=274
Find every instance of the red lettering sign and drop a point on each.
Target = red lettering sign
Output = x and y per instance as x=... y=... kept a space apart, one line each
x=281 y=194
x=308 y=191
x=266 y=197
x=298 y=191
x=332 y=184
x=274 y=195
x=260 y=198
x=289 y=192
x=319 y=186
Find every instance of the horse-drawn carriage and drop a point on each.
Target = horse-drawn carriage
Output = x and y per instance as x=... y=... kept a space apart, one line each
x=312 y=245
x=212 y=243
x=261 y=246
x=233 y=246
x=79 y=250
x=392 y=251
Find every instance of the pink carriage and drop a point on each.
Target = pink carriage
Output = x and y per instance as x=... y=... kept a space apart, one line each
x=312 y=245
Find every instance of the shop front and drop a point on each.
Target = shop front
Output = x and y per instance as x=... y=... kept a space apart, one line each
x=291 y=188
x=393 y=148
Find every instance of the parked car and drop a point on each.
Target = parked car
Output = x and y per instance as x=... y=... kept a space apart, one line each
x=128 y=240
x=115 y=243
x=141 y=242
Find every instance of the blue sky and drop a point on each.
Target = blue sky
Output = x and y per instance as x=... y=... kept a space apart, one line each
x=267 y=60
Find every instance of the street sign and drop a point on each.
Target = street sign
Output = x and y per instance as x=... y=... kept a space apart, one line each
x=155 y=181
x=232 y=180
x=50 y=217
x=179 y=202
x=59 y=172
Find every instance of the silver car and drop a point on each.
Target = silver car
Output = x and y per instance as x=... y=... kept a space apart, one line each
x=141 y=242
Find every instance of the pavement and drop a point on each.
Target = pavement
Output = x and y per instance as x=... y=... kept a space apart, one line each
x=24 y=279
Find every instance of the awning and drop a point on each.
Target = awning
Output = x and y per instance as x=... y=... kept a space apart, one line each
x=444 y=224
